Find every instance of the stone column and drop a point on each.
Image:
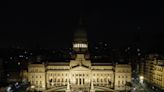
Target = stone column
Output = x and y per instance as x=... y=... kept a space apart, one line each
x=78 y=81
x=81 y=81
x=103 y=81
x=60 y=81
x=56 y=82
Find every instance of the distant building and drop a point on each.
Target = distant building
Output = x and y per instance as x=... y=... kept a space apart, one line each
x=80 y=74
x=152 y=71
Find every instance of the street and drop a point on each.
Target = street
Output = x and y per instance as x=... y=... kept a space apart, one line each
x=140 y=87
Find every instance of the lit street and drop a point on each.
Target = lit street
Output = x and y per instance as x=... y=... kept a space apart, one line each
x=140 y=87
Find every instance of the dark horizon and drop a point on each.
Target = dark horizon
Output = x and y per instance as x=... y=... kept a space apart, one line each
x=53 y=26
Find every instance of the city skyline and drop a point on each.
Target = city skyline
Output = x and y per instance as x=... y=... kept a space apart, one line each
x=84 y=46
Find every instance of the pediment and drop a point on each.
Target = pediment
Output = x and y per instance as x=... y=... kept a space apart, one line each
x=80 y=68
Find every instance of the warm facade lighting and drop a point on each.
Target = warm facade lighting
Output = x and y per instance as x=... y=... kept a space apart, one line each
x=80 y=45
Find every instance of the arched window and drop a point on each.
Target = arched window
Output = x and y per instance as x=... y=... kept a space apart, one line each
x=101 y=80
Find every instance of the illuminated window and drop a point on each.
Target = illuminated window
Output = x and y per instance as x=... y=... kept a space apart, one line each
x=80 y=45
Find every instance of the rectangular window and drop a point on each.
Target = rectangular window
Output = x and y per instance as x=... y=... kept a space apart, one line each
x=122 y=82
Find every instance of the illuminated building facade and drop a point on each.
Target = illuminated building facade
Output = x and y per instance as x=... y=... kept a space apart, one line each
x=153 y=71
x=80 y=73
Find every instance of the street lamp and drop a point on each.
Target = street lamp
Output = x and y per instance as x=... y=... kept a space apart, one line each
x=33 y=88
x=141 y=79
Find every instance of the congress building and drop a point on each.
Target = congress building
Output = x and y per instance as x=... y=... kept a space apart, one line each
x=79 y=74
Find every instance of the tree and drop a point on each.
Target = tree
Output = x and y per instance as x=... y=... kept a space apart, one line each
x=128 y=84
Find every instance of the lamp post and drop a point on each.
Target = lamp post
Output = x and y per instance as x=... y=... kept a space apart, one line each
x=33 y=88
x=141 y=79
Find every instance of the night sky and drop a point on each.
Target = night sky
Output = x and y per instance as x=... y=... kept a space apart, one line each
x=51 y=24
